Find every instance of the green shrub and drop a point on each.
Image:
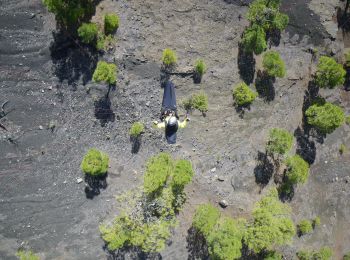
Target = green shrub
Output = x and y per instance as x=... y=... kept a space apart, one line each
x=280 y=141
x=316 y=222
x=297 y=170
x=200 y=101
x=326 y=117
x=136 y=129
x=342 y=149
x=187 y=103
x=329 y=73
x=273 y=255
x=254 y=39
x=305 y=227
x=243 y=95
x=27 y=255
x=205 y=218
x=95 y=163
x=325 y=253
x=169 y=58
x=106 y=72
x=200 y=67
x=271 y=226
x=225 y=241
x=273 y=64
x=183 y=174
x=88 y=33
x=111 y=23
x=70 y=13
x=158 y=170
x=346 y=256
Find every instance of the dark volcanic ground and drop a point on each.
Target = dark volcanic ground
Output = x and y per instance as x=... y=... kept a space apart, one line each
x=41 y=204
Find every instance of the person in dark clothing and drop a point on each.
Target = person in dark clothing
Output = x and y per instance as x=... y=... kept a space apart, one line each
x=169 y=117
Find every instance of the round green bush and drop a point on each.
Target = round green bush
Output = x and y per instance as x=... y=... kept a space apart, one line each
x=169 y=58
x=111 y=23
x=105 y=72
x=200 y=101
x=183 y=174
x=200 y=67
x=305 y=227
x=317 y=222
x=280 y=141
x=88 y=33
x=205 y=218
x=95 y=163
x=329 y=73
x=273 y=64
x=254 y=39
x=297 y=169
x=136 y=129
x=326 y=117
x=243 y=95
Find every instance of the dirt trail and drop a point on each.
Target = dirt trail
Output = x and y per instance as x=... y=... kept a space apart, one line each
x=40 y=201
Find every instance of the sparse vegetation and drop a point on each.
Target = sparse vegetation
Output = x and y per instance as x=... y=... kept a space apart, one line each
x=200 y=68
x=342 y=149
x=111 y=23
x=305 y=227
x=136 y=129
x=271 y=226
x=325 y=116
x=297 y=170
x=347 y=120
x=273 y=64
x=95 y=163
x=325 y=253
x=27 y=255
x=243 y=95
x=316 y=222
x=106 y=72
x=88 y=33
x=280 y=142
x=346 y=256
x=329 y=73
x=169 y=58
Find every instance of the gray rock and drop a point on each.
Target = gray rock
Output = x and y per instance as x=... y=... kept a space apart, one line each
x=223 y=203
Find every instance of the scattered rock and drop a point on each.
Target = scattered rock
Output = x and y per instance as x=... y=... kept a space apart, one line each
x=223 y=203
x=41 y=127
x=213 y=170
x=79 y=180
x=220 y=178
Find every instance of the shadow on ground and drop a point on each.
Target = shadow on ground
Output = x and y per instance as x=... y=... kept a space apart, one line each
x=103 y=111
x=196 y=245
x=95 y=185
x=264 y=170
x=246 y=65
x=264 y=86
x=132 y=253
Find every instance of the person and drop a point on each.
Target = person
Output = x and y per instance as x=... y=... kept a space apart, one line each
x=169 y=117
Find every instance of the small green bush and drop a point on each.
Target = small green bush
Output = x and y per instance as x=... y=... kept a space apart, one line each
x=27 y=255
x=169 y=57
x=297 y=169
x=88 y=33
x=187 y=103
x=225 y=241
x=183 y=174
x=111 y=23
x=305 y=227
x=136 y=129
x=346 y=256
x=205 y=218
x=273 y=256
x=326 y=117
x=106 y=72
x=200 y=67
x=243 y=95
x=342 y=149
x=325 y=253
x=158 y=169
x=329 y=73
x=280 y=141
x=273 y=64
x=316 y=222
x=200 y=101
x=254 y=39
x=95 y=163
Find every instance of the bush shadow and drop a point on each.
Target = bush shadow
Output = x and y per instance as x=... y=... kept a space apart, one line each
x=286 y=192
x=131 y=253
x=72 y=62
x=273 y=37
x=196 y=245
x=103 y=110
x=264 y=170
x=135 y=143
x=94 y=185
x=264 y=86
x=246 y=65
x=306 y=148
